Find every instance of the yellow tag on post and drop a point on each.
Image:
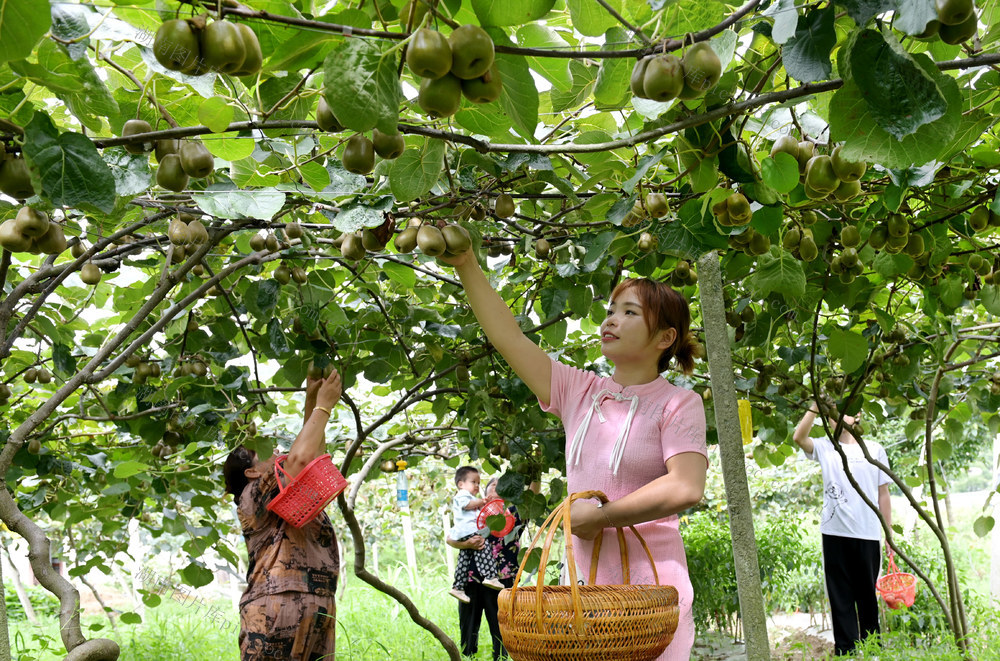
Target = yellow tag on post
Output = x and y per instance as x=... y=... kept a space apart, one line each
x=746 y=421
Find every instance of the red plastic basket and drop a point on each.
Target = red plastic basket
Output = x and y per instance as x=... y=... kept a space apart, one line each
x=308 y=492
x=896 y=587
x=493 y=507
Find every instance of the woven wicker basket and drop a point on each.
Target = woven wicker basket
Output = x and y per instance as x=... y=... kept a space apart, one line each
x=586 y=622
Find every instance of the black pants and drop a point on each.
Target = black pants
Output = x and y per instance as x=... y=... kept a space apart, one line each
x=482 y=600
x=851 y=567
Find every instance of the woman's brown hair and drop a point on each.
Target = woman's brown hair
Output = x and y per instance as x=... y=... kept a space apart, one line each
x=234 y=470
x=663 y=307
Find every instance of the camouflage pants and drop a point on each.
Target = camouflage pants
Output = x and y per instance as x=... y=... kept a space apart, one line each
x=290 y=626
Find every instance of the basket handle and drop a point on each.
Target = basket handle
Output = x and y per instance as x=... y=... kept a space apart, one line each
x=551 y=524
x=277 y=467
x=891 y=568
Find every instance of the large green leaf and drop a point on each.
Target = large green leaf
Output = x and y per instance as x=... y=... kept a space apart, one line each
x=416 y=171
x=691 y=234
x=519 y=98
x=778 y=271
x=71 y=170
x=865 y=140
x=685 y=16
x=22 y=24
x=862 y=11
x=914 y=15
x=807 y=54
x=75 y=81
x=511 y=12
x=590 y=18
x=235 y=204
x=900 y=95
x=611 y=89
x=361 y=86
x=849 y=347
x=781 y=172
x=554 y=69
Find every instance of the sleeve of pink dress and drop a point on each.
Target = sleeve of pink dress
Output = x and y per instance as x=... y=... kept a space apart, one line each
x=670 y=421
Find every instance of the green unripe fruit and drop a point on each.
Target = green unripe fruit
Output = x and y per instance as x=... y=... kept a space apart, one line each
x=850 y=237
x=257 y=242
x=807 y=249
x=895 y=244
x=954 y=12
x=979 y=219
x=293 y=230
x=820 y=175
x=283 y=274
x=472 y=52
x=177 y=232
x=270 y=242
x=806 y=151
x=325 y=118
x=135 y=127
x=166 y=146
x=406 y=240
x=456 y=239
x=702 y=70
x=53 y=241
x=299 y=275
x=542 y=248
x=638 y=77
x=485 y=88
x=956 y=34
x=878 y=237
x=898 y=226
x=849 y=257
x=504 y=206
x=15 y=179
x=176 y=45
x=847 y=191
x=171 y=175
x=786 y=144
x=791 y=239
x=370 y=240
x=914 y=245
x=739 y=209
x=359 y=155
x=847 y=170
x=31 y=222
x=222 y=47
x=440 y=97
x=431 y=241
x=646 y=242
x=412 y=13
x=656 y=205
x=387 y=145
x=664 y=78
x=809 y=217
x=254 y=57
x=352 y=247
x=196 y=160
x=90 y=274
x=11 y=239
x=428 y=54
x=759 y=244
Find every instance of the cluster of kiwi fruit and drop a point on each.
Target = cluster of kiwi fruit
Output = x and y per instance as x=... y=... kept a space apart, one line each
x=180 y=160
x=359 y=151
x=995 y=383
x=751 y=242
x=185 y=230
x=956 y=22
x=448 y=240
x=654 y=205
x=284 y=274
x=823 y=177
x=462 y=63
x=194 y=46
x=894 y=236
x=733 y=210
x=37 y=375
x=355 y=246
x=845 y=264
x=191 y=368
x=15 y=180
x=32 y=231
x=5 y=394
x=739 y=320
x=144 y=369
x=798 y=237
x=665 y=76
x=683 y=275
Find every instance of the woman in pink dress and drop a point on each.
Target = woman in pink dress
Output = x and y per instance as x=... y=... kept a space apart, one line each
x=633 y=435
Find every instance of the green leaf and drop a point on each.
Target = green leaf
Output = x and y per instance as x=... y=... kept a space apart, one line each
x=129 y=468
x=780 y=172
x=215 y=113
x=612 y=87
x=131 y=171
x=901 y=97
x=849 y=347
x=949 y=292
x=590 y=18
x=863 y=11
x=75 y=82
x=683 y=16
x=989 y=296
x=72 y=171
x=416 y=171
x=276 y=338
x=864 y=139
x=361 y=87
x=553 y=69
x=778 y=271
x=914 y=15
x=403 y=275
x=519 y=98
x=230 y=147
x=358 y=217
x=646 y=162
x=691 y=235
x=785 y=17
x=807 y=54
x=236 y=204
x=132 y=617
x=983 y=525
x=63 y=359
x=196 y=575
x=510 y=12
x=22 y=24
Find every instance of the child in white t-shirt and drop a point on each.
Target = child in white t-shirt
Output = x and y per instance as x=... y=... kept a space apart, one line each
x=465 y=508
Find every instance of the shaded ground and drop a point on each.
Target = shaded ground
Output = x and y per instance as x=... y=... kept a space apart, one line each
x=792 y=637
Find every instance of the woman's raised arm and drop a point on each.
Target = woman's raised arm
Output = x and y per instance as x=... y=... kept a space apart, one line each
x=524 y=356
